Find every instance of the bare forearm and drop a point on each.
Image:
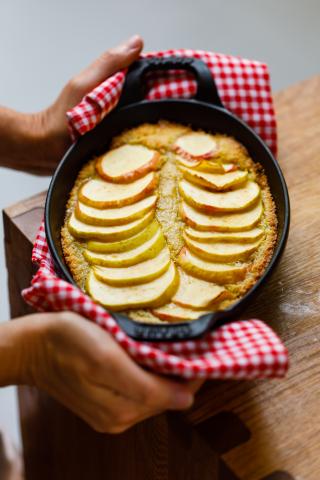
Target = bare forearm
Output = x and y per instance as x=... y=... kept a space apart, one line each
x=29 y=141
x=19 y=341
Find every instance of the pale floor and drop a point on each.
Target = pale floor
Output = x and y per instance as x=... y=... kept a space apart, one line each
x=42 y=43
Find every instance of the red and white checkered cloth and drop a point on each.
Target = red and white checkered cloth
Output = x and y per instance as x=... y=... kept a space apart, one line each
x=243 y=86
x=242 y=349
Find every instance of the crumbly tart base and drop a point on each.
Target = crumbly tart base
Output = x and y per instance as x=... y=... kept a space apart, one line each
x=161 y=137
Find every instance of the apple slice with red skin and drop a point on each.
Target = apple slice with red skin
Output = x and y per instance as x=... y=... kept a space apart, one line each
x=196 y=145
x=215 y=181
x=215 y=167
x=127 y=163
x=98 y=193
x=247 y=236
x=213 y=202
x=175 y=313
x=191 y=163
x=220 y=273
x=112 y=233
x=222 y=251
x=206 y=165
x=115 y=216
x=229 y=222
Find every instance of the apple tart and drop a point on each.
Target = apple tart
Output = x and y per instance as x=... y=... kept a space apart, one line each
x=169 y=223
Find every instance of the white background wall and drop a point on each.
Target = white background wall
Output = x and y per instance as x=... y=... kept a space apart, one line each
x=43 y=42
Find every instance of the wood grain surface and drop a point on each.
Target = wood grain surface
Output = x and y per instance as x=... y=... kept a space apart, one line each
x=248 y=430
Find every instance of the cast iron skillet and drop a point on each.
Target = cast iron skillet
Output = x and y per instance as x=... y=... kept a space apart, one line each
x=206 y=112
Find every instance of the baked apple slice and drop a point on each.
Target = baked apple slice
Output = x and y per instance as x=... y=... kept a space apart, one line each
x=240 y=237
x=211 y=167
x=215 y=167
x=175 y=313
x=115 y=216
x=191 y=163
x=101 y=194
x=222 y=251
x=196 y=145
x=207 y=165
x=233 y=222
x=127 y=163
x=197 y=294
x=215 y=181
x=108 y=234
x=207 y=270
x=142 y=272
x=148 y=295
x=125 y=244
x=212 y=202
x=148 y=249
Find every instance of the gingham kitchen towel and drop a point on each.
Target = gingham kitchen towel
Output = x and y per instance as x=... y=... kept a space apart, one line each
x=242 y=349
x=243 y=86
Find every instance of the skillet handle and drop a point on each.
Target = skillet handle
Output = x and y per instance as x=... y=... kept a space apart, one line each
x=135 y=86
x=167 y=332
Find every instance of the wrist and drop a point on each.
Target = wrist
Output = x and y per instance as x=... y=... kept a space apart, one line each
x=34 y=142
x=50 y=133
x=22 y=342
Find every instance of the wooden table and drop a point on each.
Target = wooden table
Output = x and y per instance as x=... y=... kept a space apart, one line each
x=250 y=430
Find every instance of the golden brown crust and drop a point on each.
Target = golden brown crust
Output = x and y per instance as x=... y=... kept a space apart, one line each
x=72 y=249
x=161 y=137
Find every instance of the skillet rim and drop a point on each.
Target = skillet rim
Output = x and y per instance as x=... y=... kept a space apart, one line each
x=205 y=323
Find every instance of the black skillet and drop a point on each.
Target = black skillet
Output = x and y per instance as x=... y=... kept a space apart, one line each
x=205 y=111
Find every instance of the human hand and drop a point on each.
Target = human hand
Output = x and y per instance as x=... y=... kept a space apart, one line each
x=80 y=365
x=35 y=142
x=53 y=119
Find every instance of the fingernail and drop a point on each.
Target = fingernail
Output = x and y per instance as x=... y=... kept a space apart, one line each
x=182 y=400
x=134 y=42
